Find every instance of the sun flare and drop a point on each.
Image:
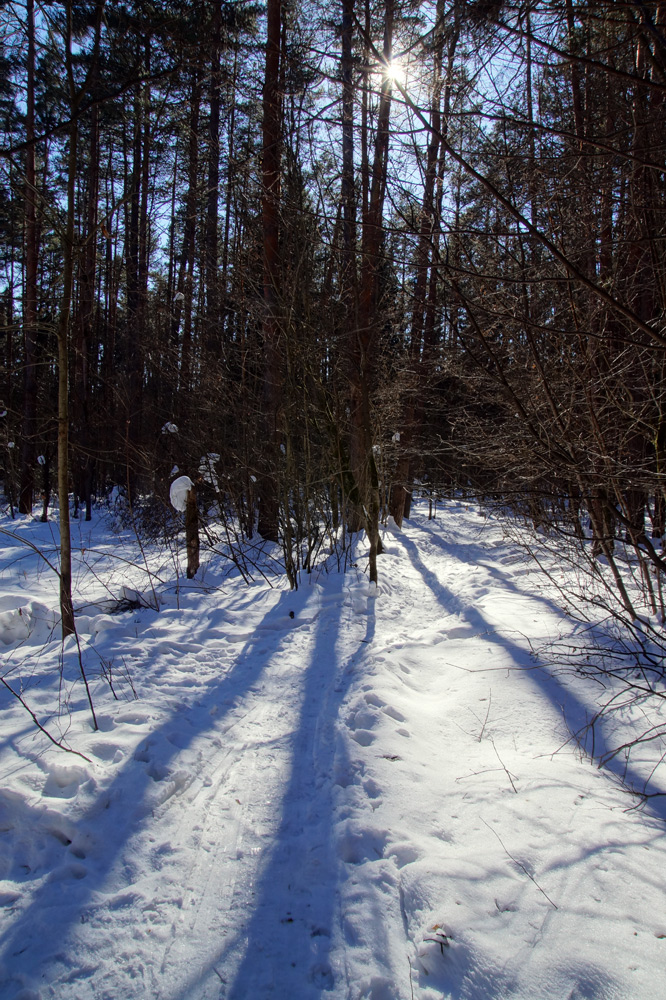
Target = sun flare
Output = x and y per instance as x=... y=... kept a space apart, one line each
x=395 y=71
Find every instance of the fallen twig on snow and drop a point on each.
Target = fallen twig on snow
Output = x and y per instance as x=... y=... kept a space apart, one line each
x=521 y=866
x=61 y=746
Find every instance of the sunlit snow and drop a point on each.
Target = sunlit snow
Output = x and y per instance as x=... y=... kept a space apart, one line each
x=311 y=794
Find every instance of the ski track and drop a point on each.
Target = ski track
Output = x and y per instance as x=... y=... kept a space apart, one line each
x=354 y=804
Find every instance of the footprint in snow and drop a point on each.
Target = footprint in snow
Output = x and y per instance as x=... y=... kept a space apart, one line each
x=69 y=837
x=377 y=988
x=322 y=976
x=363 y=737
x=358 y=844
x=363 y=719
x=155 y=770
x=107 y=752
x=393 y=713
x=345 y=773
x=459 y=632
x=361 y=722
x=132 y=718
x=178 y=739
x=372 y=789
x=373 y=699
x=170 y=648
x=105 y=723
x=404 y=853
x=65 y=872
x=63 y=782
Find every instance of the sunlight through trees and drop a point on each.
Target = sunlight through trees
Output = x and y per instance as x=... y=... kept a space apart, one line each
x=353 y=250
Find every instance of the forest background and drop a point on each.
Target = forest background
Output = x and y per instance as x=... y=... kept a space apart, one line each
x=315 y=256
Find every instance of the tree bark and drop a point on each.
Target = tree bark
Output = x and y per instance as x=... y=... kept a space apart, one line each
x=26 y=494
x=425 y=255
x=348 y=192
x=268 y=499
x=213 y=319
x=185 y=279
x=363 y=342
x=192 y=533
x=83 y=326
x=66 y=605
x=63 y=332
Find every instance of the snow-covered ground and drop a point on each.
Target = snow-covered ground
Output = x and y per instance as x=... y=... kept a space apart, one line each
x=312 y=794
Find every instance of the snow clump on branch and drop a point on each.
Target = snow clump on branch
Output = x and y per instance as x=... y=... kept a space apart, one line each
x=178 y=493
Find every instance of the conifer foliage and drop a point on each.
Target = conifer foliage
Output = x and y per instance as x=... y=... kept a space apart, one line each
x=344 y=249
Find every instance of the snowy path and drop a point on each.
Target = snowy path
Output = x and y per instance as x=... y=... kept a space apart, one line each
x=361 y=801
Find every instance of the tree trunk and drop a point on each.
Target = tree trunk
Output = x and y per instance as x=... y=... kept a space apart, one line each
x=83 y=325
x=185 y=284
x=192 y=533
x=268 y=498
x=26 y=494
x=63 y=335
x=66 y=606
x=363 y=342
x=211 y=335
x=401 y=492
x=348 y=192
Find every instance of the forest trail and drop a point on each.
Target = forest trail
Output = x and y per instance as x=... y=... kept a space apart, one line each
x=373 y=800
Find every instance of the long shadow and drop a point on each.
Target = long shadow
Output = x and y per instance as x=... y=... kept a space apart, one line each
x=296 y=895
x=22 y=946
x=475 y=555
x=576 y=713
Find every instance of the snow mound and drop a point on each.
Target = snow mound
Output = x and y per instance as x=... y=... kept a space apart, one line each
x=33 y=621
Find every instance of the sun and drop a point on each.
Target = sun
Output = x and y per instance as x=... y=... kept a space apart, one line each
x=395 y=72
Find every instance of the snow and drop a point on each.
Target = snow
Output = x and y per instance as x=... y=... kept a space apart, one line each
x=207 y=471
x=377 y=798
x=178 y=492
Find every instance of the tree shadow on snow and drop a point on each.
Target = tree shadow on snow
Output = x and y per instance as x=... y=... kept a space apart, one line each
x=462 y=973
x=575 y=712
x=474 y=554
x=286 y=944
x=299 y=876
